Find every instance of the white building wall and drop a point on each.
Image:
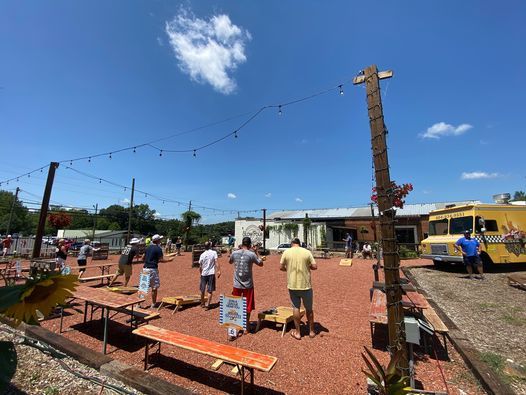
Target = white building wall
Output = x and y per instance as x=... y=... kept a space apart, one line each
x=251 y=228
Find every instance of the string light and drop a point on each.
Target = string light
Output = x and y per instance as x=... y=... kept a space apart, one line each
x=71 y=163
x=235 y=134
x=89 y=159
x=161 y=153
x=41 y=170
x=110 y=155
x=341 y=89
x=195 y=154
x=134 y=149
x=279 y=110
x=29 y=175
x=145 y=195
x=17 y=179
x=100 y=181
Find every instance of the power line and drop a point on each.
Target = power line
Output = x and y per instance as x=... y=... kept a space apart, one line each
x=194 y=150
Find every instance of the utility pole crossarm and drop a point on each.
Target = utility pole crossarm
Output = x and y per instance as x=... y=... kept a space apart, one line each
x=360 y=79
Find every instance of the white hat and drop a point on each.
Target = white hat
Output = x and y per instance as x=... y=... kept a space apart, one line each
x=135 y=240
x=156 y=237
x=8 y=236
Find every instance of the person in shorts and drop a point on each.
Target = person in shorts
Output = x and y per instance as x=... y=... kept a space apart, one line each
x=348 y=246
x=178 y=245
x=470 y=249
x=152 y=256
x=84 y=252
x=298 y=263
x=208 y=266
x=243 y=260
x=125 y=261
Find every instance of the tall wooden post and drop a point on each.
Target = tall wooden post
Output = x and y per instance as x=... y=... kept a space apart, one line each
x=94 y=222
x=53 y=166
x=393 y=289
x=130 y=212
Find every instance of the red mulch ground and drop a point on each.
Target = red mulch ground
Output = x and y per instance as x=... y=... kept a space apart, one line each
x=329 y=363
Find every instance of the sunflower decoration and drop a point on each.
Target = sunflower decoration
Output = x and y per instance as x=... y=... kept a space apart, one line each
x=22 y=302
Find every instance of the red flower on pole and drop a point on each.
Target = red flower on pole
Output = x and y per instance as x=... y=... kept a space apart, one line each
x=396 y=194
x=59 y=220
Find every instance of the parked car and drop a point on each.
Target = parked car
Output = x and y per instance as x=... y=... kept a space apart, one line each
x=282 y=247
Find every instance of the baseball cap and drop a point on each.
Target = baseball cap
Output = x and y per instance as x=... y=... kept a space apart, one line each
x=156 y=237
x=135 y=240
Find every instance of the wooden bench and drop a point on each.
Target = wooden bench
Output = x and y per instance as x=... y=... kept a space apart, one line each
x=241 y=358
x=138 y=315
x=438 y=325
x=100 y=277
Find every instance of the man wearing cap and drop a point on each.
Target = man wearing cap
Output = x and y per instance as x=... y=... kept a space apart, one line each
x=84 y=252
x=152 y=256
x=298 y=262
x=243 y=260
x=470 y=249
x=6 y=245
x=126 y=260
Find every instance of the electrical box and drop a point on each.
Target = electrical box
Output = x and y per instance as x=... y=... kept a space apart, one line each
x=412 y=330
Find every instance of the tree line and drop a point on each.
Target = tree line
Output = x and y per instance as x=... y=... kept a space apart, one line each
x=114 y=217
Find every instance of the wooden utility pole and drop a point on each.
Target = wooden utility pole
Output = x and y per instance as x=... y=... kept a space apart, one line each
x=264 y=230
x=130 y=212
x=11 y=212
x=53 y=166
x=95 y=222
x=393 y=289
x=377 y=264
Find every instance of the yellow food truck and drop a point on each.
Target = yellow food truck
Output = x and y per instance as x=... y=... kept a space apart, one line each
x=499 y=228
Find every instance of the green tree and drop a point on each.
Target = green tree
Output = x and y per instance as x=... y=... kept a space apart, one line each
x=19 y=221
x=115 y=213
x=519 y=195
x=190 y=218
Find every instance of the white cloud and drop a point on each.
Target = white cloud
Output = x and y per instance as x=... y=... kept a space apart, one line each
x=268 y=195
x=125 y=201
x=157 y=214
x=299 y=200
x=231 y=195
x=208 y=50
x=476 y=175
x=442 y=129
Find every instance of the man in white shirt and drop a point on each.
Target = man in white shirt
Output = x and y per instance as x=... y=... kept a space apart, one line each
x=207 y=267
x=367 y=251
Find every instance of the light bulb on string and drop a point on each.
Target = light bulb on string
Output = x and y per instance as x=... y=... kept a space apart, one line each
x=195 y=154
x=235 y=134
x=17 y=179
x=124 y=189
x=100 y=181
x=110 y=155
x=41 y=170
x=28 y=175
x=341 y=89
x=71 y=163
x=145 y=195
x=161 y=153
x=134 y=149
x=279 y=110
x=89 y=159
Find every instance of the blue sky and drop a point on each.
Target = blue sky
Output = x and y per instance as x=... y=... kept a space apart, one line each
x=81 y=78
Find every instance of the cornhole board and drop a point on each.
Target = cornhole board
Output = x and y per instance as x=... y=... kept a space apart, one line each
x=517 y=280
x=123 y=290
x=346 y=262
x=283 y=316
x=182 y=300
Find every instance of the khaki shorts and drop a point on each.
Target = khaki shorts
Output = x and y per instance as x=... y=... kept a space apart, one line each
x=124 y=269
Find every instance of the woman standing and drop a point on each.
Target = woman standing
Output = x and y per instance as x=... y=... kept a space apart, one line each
x=61 y=254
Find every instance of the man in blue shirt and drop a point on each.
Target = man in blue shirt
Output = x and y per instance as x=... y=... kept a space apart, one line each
x=152 y=256
x=470 y=249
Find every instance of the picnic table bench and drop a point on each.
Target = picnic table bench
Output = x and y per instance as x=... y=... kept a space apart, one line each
x=102 y=299
x=239 y=357
x=104 y=269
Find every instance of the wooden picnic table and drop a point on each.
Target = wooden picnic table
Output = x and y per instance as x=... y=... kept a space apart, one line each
x=106 y=301
x=104 y=270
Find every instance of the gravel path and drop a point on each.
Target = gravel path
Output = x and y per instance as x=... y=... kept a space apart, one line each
x=40 y=373
x=328 y=364
x=490 y=311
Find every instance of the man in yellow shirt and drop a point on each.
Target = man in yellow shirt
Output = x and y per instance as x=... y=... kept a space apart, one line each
x=298 y=262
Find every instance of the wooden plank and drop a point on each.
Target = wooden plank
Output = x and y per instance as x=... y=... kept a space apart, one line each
x=225 y=352
x=123 y=290
x=283 y=316
x=360 y=79
x=432 y=317
x=84 y=279
x=217 y=364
